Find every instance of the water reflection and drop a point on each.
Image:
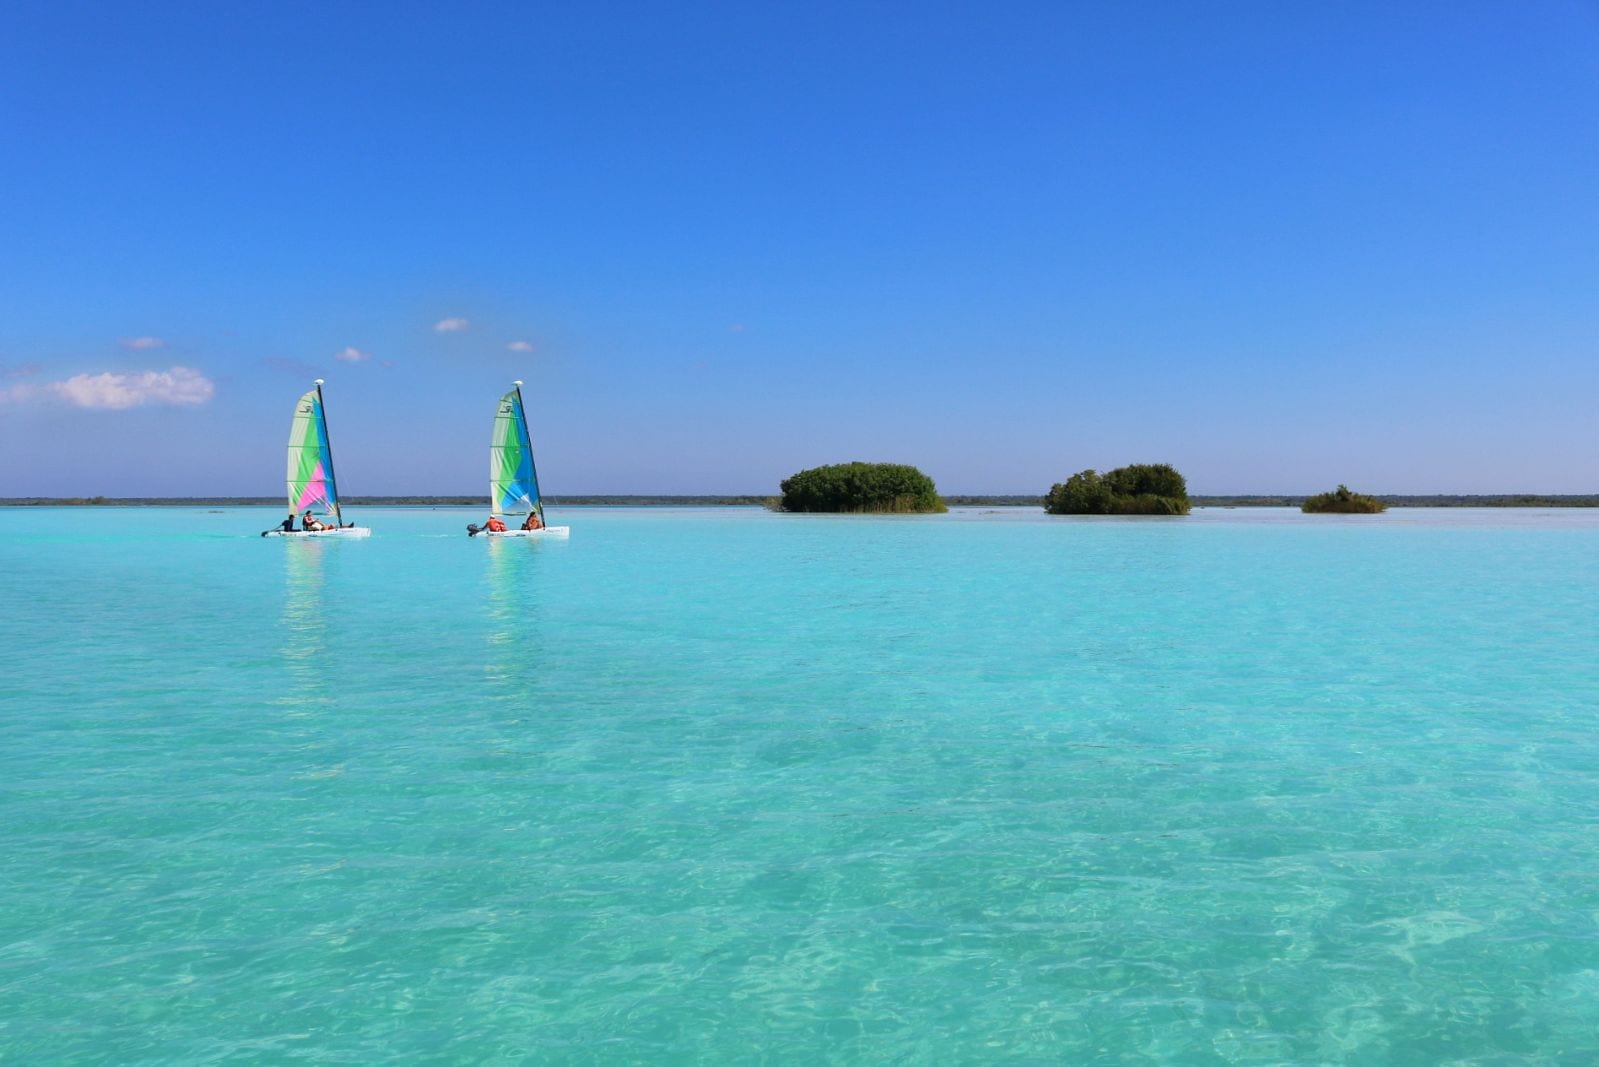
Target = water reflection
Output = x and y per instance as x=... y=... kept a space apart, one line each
x=513 y=637
x=501 y=582
x=304 y=622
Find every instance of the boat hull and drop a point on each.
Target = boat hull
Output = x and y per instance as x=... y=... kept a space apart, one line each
x=343 y=531
x=554 y=533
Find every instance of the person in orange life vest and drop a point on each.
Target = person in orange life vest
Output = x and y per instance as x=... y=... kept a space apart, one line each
x=533 y=522
x=494 y=525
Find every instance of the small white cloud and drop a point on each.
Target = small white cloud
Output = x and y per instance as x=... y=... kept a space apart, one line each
x=735 y=327
x=520 y=346
x=451 y=325
x=181 y=386
x=142 y=344
x=351 y=354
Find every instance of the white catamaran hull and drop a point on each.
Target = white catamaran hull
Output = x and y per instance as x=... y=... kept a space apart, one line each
x=558 y=532
x=343 y=531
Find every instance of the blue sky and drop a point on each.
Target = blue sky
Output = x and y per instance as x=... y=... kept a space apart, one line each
x=1280 y=245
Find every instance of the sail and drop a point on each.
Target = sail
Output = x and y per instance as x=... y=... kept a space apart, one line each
x=513 y=483
x=311 y=459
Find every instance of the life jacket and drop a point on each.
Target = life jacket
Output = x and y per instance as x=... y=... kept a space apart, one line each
x=495 y=524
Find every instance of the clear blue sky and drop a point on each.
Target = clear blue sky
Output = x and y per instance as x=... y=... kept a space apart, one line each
x=1280 y=245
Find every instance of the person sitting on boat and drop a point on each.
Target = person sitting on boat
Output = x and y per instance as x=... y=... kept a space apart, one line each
x=533 y=522
x=311 y=524
x=495 y=524
x=286 y=526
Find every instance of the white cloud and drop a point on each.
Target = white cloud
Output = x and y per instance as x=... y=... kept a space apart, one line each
x=182 y=386
x=735 y=327
x=451 y=325
x=520 y=346
x=351 y=354
x=142 y=344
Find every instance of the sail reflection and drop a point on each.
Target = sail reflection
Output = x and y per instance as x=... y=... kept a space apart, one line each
x=499 y=581
x=513 y=641
x=303 y=621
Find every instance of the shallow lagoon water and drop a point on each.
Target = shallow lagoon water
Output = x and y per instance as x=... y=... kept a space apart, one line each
x=721 y=785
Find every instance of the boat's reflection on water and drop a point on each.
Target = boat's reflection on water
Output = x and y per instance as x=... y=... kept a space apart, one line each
x=501 y=590
x=304 y=623
x=510 y=575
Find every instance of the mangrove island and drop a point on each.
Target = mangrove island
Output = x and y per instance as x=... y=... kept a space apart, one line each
x=1342 y=501
x=861 y=487
x=1138 y=489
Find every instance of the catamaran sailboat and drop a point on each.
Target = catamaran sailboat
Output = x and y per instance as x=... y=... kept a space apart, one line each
x=311 y=471
x=513 y=481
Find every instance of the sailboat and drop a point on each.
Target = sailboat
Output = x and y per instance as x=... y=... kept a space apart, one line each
x=311 y=480
x=513 y=481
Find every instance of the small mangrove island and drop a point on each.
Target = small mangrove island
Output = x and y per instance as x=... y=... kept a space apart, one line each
x=861 y=487
x=1138 y=489
x=1342 y=501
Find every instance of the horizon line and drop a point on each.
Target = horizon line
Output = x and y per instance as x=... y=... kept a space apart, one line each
x=466 y=499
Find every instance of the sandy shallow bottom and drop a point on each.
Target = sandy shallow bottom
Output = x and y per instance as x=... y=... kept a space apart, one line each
x=717 y=785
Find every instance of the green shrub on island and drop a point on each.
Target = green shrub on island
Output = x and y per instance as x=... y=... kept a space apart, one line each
x=1139 y=489
x=1342 y=501
x=861 y=487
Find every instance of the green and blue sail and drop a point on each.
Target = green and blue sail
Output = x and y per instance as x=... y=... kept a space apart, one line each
x=311 y=482
x=513 y=481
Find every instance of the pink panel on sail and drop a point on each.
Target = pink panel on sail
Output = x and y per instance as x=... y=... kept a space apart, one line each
x=316 y=489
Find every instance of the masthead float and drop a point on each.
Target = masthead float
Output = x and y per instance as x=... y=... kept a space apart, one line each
x=310 y=474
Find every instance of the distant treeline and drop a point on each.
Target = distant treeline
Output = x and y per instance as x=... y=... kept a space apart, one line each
x=1505 y=500
x=1501 y=500
x=1495 y=500
x=1018 y=500
x=380 y=501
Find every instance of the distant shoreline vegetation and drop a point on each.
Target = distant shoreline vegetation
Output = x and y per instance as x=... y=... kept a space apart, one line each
x=1418 y=500
x=479 y=501
x=667 y=500
x=1137 y=489
x=861 y=488
x=1343 y=501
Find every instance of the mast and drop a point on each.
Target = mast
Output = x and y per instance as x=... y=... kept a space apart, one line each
x=538 y=505
x=327 y=443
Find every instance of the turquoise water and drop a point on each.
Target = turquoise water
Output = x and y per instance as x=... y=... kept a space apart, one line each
x=720 y=785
